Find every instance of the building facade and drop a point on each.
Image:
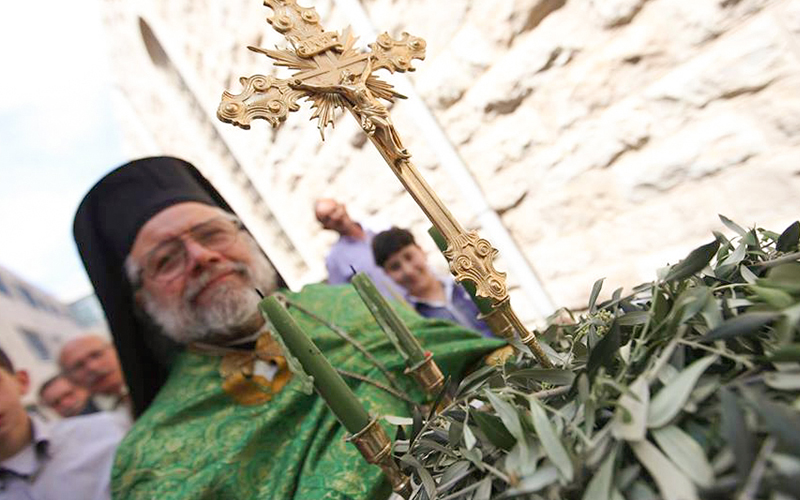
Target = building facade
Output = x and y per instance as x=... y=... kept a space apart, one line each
x=88 y=313
x=33 y=326
x=604 y=136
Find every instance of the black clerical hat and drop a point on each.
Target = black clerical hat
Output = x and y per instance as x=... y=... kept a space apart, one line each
x=106 y=224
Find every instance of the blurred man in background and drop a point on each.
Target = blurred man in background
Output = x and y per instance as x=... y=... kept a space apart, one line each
x=66 y=398
x=352 y=252
x=91 y=362
x=432 y=296
x=67 y=459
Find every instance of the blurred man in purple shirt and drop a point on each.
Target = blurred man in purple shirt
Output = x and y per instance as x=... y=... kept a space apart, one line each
x=352 y=253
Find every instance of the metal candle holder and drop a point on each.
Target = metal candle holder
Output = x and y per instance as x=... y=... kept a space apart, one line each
x=376 y=448
x=429 y=377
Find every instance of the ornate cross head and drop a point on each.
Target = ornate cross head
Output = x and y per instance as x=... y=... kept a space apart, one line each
x=328 y=70
x=332 y=73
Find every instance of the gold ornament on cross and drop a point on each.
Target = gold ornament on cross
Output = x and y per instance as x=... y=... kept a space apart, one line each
x=332 y=73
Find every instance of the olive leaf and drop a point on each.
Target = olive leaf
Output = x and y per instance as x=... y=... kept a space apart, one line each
x=735 y=257
x=671 y=482
x=783 y=381
x=469 y=437
x=484 y=491
x=686 y=453
x=694 y=262
x=781 y=421
x=785 y=277
x=788 y=240
x=734 y=430
x=494 y=430
x=508 y=414
x=427 y=480
x=634 y=318
x=604 y=352
x=475 y=379
x=552 y=445
x=670 y=399
x=748 y=275
x=452 y=473
x=691 y=302
x=630 y=417
x=553 y=376
x=599 y=488
x=787 y=353
x=736 y=228
x=598 y=285
x=543 y=477
x=774 y=297
x=745 y=324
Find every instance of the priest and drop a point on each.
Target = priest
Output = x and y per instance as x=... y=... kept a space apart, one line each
x=219 y=412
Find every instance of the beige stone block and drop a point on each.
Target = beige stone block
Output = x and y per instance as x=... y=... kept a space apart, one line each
x=778 y=110
x=468 y=55
x=626 y=243
x=613 y=13
x=743 y=61
x=789 y=13
x=703 y=147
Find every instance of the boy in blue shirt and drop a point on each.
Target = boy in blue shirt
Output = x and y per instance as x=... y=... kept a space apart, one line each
x=433 y=296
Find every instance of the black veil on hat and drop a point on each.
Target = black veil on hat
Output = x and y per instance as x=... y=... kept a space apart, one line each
x=106 y=224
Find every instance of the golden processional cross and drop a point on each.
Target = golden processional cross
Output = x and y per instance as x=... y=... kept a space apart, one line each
x=333 y=74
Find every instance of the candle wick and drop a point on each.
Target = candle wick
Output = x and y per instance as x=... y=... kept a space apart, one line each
x=259 y=293
x=353 y=271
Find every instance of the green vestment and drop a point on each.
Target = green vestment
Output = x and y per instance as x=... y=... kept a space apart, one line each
x=195 y=442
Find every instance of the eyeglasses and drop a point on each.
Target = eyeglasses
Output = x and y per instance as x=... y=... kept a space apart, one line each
x=168 y=260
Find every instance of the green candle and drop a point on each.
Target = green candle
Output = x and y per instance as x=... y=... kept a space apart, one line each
x=484 y=304
x=391 y=324
x=329 y=384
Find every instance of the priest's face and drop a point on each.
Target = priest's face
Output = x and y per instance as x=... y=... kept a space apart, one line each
x=198 y=272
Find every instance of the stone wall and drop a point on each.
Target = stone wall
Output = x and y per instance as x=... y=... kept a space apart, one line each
x=607 y=134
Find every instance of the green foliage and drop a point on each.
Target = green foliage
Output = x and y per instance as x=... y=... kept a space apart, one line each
x=687 y=388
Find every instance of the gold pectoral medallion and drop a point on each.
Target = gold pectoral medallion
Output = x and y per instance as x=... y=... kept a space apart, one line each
x=254 y=377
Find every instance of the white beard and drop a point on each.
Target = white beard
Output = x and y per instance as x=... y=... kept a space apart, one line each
x=232 y=309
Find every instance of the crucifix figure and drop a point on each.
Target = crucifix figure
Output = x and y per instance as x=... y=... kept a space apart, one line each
x=333 y=74
x=373 y=116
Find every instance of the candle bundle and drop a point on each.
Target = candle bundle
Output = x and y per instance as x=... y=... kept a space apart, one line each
x=419 y=363
x=366 y=434
x=391 y=324
x=328 y=383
